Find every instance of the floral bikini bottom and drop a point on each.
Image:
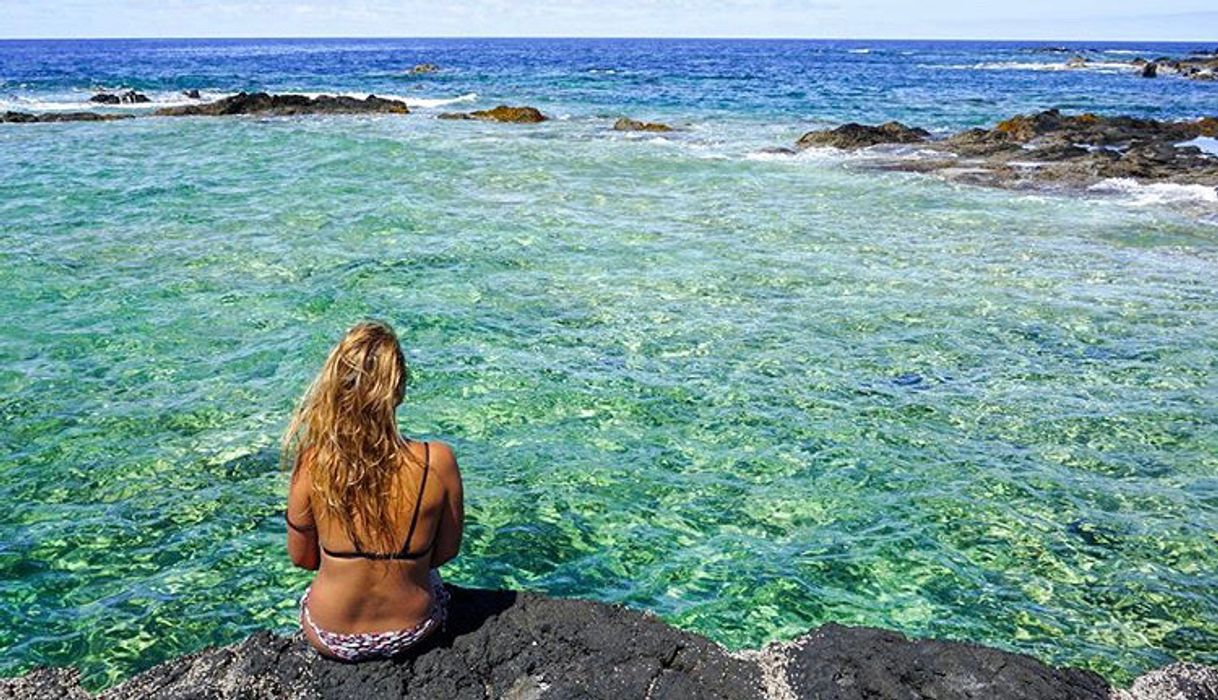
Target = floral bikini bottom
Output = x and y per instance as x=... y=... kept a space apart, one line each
x=380 y=645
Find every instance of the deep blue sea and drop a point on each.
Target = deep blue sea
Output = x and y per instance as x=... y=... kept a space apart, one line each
x=749 y=392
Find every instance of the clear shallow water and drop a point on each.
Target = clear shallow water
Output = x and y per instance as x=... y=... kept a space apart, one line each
x=751 y=395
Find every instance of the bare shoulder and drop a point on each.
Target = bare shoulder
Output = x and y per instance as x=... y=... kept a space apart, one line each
x=443 y=461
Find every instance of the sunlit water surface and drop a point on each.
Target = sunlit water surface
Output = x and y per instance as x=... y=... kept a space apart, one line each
x=749 y=394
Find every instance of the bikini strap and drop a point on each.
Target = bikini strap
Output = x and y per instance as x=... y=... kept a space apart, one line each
x=418 y=504
x=298 y=528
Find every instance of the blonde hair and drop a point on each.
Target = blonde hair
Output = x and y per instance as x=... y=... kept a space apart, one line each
x=347 y=423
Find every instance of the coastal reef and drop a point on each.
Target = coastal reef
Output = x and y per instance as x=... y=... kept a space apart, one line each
x=502 y=113
x=1200 y=65
x=27 y=118
x=522 y=646
x=1043 y=148
x=287 y=105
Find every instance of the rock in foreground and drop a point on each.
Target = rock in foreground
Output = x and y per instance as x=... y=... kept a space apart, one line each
x=502 y=113
x=522 y=646
x=287 y=105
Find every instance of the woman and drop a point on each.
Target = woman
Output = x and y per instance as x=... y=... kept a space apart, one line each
x=373 y=512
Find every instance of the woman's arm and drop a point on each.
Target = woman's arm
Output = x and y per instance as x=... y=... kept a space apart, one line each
x=452 y=517
x=302 y=528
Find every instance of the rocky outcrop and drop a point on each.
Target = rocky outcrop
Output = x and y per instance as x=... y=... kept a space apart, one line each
x=1044 y=148
x=521 y=646
x=1198 y=66
x=844 y=663
x=192 y=94
x=627 y=124
x=502 y=113
x=287 y=105
x=1175 y=682
x=27 y=118
x=422 y=68
x=851 y=136
x=115 y=98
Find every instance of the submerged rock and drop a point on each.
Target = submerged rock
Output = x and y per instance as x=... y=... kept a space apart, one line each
x=192 y=94
x=128 y=97
x=502 y=644
x=851 y=136
x=502 y=113
x=288 y=104
x=27 y=118
x=627 y=124
x=424 y=68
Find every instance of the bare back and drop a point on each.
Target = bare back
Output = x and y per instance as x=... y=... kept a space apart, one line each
x=361 y=591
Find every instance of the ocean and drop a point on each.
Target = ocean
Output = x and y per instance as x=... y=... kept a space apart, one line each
x=747 y=391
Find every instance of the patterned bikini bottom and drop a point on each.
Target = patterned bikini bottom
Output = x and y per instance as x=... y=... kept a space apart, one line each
x=381 y=645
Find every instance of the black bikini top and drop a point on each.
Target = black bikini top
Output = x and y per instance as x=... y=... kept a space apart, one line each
x=404 y=553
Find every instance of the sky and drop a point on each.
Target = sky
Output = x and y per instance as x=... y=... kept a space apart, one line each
x=1135 y=20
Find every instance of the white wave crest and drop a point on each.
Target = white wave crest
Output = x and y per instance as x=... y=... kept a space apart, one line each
x=1099 y=66
x=76 y=103
x=1207 y=144
x=1139 y=194
x=411 y=101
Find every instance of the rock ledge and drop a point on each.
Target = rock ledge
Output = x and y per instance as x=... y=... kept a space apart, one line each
x=522 y=646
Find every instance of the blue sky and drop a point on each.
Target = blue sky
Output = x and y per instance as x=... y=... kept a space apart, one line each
x=1185 y=20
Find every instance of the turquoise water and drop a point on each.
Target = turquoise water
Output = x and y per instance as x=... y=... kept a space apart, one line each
x=749 y=394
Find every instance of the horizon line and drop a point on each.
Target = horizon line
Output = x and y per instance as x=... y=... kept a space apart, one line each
x=602 y=38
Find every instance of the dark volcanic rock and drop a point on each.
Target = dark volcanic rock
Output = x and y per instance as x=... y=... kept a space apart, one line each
x=852 y=136
x=1045 y=148
x=502 y=113
x=288 y=105
x=859 y=663
x=128 y=97
x=1195 y=66
x=27 y=118
x=498 y=644
x=192 y=94
x=626 y=124
x=501 y=644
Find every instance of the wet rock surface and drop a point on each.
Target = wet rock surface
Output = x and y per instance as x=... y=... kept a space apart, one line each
x=1043 y=148
x=502 y=113
x=852 y=135
x=287 y=105
x=502 y=644
x=128 y=97
x=627 y=124
x=27 y=118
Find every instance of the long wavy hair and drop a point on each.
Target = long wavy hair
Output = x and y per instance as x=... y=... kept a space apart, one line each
x=345 y=432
